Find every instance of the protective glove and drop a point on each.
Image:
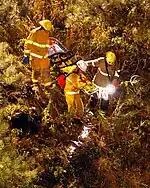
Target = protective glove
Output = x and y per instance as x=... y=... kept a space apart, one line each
x=117 y=73
x=82 y=65
x=25 y=59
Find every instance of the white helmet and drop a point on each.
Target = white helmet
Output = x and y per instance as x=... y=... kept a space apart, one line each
x=82 y=65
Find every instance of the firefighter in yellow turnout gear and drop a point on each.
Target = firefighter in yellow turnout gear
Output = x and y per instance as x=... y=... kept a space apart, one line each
x=74 y=83
x=36 y=50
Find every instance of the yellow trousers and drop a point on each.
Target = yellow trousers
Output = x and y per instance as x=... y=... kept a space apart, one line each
x=41 y=71
x=75 y=104
x=41 y=75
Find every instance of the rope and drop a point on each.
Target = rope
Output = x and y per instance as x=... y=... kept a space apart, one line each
x=134 y=79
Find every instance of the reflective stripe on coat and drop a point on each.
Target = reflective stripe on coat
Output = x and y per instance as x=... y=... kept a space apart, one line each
x=37 y=43
x=101 y=77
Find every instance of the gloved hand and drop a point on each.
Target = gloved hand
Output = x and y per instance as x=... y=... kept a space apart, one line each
x=117 y=73
x=82 y=65
x=25 y=59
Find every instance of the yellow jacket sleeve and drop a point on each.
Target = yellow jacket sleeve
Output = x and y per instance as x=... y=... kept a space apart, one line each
x=75 y=82
x=69 y=69
x=84 y=83
x=28 y=46
x=88 y=85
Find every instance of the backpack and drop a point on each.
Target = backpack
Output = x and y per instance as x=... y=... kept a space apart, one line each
x=61 y=80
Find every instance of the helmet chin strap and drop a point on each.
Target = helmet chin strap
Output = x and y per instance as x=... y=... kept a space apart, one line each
x=106 y=65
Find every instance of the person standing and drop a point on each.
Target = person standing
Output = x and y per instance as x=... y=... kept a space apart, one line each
x=36 y=51
x=107 y=73
x=75 y=81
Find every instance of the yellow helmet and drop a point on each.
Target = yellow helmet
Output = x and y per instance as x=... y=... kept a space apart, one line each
x=110 y=58
x=46 y=24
